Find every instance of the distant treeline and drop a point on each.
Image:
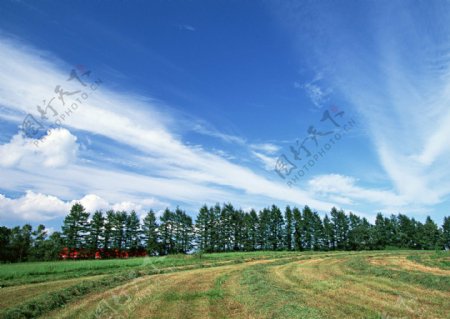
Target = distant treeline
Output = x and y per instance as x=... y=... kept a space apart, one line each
x=219 y=228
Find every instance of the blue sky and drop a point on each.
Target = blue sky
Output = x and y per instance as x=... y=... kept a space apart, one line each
x=196 y=102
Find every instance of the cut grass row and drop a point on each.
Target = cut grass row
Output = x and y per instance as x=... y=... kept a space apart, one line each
x=49 y=300
x=440 y=259
x=35 y=272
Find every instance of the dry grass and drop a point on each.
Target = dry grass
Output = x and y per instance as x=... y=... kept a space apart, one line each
x=403 y=263
x=326 y=284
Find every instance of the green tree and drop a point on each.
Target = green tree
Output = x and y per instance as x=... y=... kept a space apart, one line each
x=150 y=233
x=430 y=234
x=328 y=234
x=37 y=251
x=264 y=229
x=20 y=242
x=318 y=232
x=53 y=246
x=108 y=230
x=166 y=230
x=96 y=234
x=182 y=231
x=132 y=232
x=298 y=229
x=446 y=233
x=360 y=233
x=289 y=228
x=406 y=232
x=202 y=227
x=75 y=226
x=341 y=228
x=307 y=228
x=5 y=244
x=252 y=227
x=119 y=230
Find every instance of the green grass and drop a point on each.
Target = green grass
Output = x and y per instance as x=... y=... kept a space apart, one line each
x=269 y=299
x=34 y=272
x=426 y=280
x=234 y=285
x=439 y=259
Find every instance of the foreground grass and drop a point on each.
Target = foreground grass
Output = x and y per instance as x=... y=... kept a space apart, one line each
x=35 y=272
x=400 y=284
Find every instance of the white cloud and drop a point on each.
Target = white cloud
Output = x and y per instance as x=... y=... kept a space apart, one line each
x=265 y=147
x=345 y=188
x=37 y=207
x=32 y=207
x=127 y=206
x=93 y=203
x=202 y=129
x=268 y=162
x=315 y=91
x=179 y=172
x=56 y=149
x=187 y=27
x=399 y=85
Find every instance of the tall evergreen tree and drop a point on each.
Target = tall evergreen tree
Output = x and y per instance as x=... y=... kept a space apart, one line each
x=253 y=225
x=150 y=234
x=119 y=230
x=264 y=229
x=166 y=231
x=53 y=246
x=6 y=253
x=37 y=251
x=132 y=232
x=289 y=228
x=75 y=226
x=182 y=231
x=307 y=228
x=318 y=232
x=405 y=232
x=276 y=225
x=360 y=234
x=187 y=234
x=108 y=230
x=430 y=234
x=328 y=234
x=96 y=234
x=341 y=228
x=215 y=227
x=226 y=227
x=298 y=229
x=446 y=233
x=202 y=229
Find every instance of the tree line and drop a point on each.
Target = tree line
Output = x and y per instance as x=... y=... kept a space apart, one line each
x=218 y=228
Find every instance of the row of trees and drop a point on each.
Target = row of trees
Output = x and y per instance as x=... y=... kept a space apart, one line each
x=217 y=228
x=224 y=229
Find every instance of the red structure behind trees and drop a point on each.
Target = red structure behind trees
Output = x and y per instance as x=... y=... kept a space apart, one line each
x=101 y=253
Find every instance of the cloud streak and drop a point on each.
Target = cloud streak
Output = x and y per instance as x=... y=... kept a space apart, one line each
x=397 y=77
x=181 y=172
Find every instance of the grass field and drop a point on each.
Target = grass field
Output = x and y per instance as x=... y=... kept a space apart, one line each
x=380 y=284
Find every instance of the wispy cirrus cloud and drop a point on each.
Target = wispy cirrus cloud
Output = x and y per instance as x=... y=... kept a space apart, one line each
x=187 y=27
x=167 y=169
x=318 y=93
x=397 y=77
x=180 y=172
x=267 y=148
